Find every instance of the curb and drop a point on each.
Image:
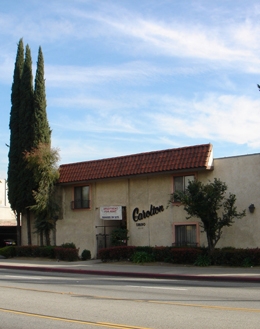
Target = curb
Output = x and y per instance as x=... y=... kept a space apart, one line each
x=223 y=278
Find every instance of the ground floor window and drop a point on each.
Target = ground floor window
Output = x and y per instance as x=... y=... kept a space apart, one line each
x=186 y=235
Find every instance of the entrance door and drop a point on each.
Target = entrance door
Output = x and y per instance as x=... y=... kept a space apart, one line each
x=104 y=232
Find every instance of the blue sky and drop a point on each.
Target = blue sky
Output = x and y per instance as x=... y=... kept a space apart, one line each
x=131 y=76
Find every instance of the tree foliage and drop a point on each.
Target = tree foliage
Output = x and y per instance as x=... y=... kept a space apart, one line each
x=42 y=161
x=209 y=203
x=42 y=130
x=14 y=148
x=29 y=128
x=26 y=135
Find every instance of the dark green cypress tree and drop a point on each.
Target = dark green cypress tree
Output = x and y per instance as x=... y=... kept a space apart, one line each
x=27 y=120
x=14 y=150
x=29 y=131
x=41 y=126
x=42 y=147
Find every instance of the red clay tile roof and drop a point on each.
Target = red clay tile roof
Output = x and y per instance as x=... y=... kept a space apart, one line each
x=184 y=158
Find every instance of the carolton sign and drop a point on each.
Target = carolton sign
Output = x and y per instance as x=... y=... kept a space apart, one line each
x=140 y=215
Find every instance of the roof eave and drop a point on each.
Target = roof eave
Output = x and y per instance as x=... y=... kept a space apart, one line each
x=171 y=172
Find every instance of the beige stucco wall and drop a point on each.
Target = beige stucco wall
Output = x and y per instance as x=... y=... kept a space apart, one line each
x=241 y=174
x=80 y=226
x=144 y=192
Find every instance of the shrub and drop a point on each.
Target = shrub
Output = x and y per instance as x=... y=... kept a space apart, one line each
x=255 y=256
x=147 y=249
x=67 y=254
x=236 y=257
x=184 y=255
x=203 y=260
x=47 y=252
x=8 y=252
x=28 y=251
x=119 y=237
x=162 y=254
x=247 y=262
x=85 y=255
x=61 y=253
x=69 y=245
x=142 y=257
x=116 y=253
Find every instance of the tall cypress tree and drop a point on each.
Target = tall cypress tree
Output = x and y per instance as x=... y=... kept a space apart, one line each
x=26 y=132
x=29 y=131
x=42 y=165
x=14 y=150
x=42 y=129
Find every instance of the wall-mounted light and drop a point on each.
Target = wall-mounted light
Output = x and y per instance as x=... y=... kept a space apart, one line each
x=251 y=208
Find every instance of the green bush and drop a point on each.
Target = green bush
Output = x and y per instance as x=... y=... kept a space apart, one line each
x=85 y=255
x=46 y=252
x=141 y=257
x=236 y=257
x=228 y=257
x=69 y=245
x=119 y=237
x=247 y=262
x=8 y=252
x=159 y=254
x=162 y=254
x=184 y=255
x=116 y=253
x=203 y=260
x=61 y=253
x=28 y=251
x=254 y=254
x=67 y=254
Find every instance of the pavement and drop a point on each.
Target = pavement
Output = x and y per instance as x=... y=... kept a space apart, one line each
x=128 y=269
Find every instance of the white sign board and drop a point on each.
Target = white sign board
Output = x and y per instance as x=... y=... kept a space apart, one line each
x=111 y=212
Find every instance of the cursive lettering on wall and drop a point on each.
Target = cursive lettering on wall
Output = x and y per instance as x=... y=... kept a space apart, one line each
x=146 y=214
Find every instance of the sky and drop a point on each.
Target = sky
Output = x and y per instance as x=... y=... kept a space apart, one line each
x=130 y=76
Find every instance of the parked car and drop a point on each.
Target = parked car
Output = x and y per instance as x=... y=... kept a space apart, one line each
x=9 y=242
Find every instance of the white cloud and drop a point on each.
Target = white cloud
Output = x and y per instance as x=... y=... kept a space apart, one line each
x=225 y=40
x=99 y=123
x=72 y=76
x=6 y=69
x=79 y=149
x=227 y=118
x=119 y=66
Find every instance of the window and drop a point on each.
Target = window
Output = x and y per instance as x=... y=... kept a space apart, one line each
x=186 y=235
x=81 y=197
x=181 y=183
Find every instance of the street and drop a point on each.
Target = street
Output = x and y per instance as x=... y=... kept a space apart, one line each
x=49 y=300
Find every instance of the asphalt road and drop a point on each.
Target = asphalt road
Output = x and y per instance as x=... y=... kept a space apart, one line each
x=49 y=300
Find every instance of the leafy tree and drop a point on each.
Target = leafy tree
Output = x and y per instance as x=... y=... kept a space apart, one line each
x=41 y=126
x=14 y=148
x=42 y=162
x=29 y=128
x=26 y=135
x=209 y=203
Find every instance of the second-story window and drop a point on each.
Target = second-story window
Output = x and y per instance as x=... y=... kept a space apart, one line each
x=81 y=197
x=181 y=183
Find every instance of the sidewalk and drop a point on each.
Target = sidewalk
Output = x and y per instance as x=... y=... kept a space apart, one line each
x=127 y=269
